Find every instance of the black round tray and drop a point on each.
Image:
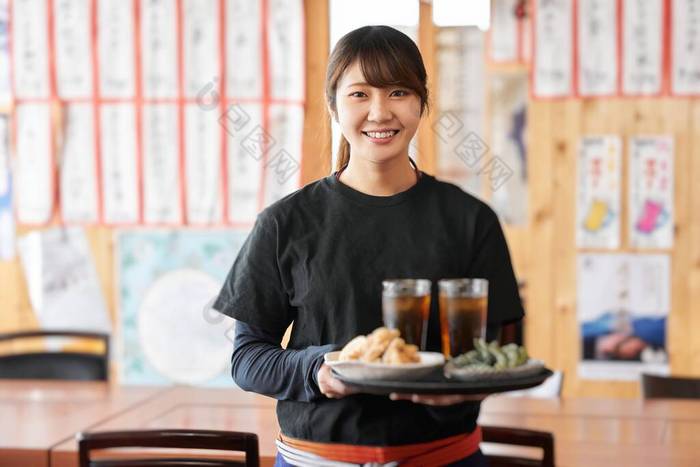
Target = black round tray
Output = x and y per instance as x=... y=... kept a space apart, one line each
x=437 y=383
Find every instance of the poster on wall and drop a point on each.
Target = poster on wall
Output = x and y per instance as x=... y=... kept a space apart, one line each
x=623 y=303
x=62 y=281
x=553 y=67
x=642 y=47
x=167 y=281
x=509 y=145
x=685 y=47
x=598 y=203
x=651 y=187
x=597 y=47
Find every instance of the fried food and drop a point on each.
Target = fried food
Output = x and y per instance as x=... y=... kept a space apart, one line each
x=354 y=349
x=383 y=345
x=377 y=343
x=399 y=352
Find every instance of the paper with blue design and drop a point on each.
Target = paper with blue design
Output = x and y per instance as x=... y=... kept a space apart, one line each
x=167 y=281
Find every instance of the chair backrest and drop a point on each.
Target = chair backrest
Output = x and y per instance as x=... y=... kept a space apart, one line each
x=519 y=437
x=669 y=387
x=181 y=439
x=56 y=365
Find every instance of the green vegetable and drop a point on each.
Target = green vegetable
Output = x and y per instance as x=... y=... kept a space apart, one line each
x=492 y=355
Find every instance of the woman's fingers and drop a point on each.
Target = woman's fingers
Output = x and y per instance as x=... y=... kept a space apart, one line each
x=330 y=386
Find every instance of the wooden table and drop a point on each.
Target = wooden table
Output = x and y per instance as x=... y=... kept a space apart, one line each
x=36 y=415
x=607 y=432
x=38 y=425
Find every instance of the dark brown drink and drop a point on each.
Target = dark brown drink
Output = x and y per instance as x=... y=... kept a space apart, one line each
x=408 y=315
x=461 y=320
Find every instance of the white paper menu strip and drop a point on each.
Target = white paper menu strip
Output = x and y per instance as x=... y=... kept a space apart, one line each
x=685 y=72
x=553 y=70
x=73 y=44
x=597 y=47
x=642 y=46
x=30 y=51
x=115 y=39
x=34 y=187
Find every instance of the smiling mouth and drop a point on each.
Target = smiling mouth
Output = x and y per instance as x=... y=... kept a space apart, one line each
x=381 y=134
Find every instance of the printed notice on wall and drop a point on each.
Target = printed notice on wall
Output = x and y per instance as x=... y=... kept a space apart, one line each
x=650 y=182
x=598 y=193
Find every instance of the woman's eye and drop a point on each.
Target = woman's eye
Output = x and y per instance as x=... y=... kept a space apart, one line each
x=400 y=93
x=358 y=94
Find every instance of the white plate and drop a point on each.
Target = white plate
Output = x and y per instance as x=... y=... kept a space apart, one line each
x=383 y=371
x=531 y=367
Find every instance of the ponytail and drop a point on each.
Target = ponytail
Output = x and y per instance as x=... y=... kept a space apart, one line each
x=343 y=154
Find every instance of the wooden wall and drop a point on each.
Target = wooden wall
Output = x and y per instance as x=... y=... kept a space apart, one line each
x=544 y=253
x=554 y=129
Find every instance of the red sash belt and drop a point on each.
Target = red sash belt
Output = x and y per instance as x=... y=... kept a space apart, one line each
x=440 y=452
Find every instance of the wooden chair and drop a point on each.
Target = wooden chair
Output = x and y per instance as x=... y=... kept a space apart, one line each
x=519 y=437
x=669 y=387
x=55 y=365
x=181 y=439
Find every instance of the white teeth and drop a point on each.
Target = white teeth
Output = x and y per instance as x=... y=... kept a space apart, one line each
x=381 y=134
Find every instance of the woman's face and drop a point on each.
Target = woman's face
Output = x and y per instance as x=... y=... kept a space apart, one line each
x=377 y=122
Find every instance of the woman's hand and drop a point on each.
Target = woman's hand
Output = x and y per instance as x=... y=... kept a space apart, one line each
x=438 y=399
x=330 y=386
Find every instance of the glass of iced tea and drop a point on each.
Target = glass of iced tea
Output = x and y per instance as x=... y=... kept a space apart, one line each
x=463 y=307
x=406 y=306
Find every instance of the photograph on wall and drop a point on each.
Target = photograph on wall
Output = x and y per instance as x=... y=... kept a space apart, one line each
x=598 y=192
x=167 y=281
x=623 y=302
x=651 y=186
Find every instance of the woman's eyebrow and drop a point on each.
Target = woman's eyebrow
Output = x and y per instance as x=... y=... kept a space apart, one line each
x=359 y=83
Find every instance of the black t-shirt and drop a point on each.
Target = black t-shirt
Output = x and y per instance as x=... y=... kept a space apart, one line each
x=317 y=258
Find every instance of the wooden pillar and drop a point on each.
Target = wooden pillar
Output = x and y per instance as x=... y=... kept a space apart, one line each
x=426 y=42
x=316 y=146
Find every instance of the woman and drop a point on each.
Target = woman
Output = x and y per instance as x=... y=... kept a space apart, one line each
x=318 y=256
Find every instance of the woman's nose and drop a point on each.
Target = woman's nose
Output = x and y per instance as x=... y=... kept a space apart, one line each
x=379 y=110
